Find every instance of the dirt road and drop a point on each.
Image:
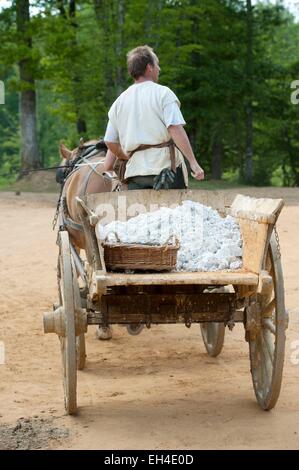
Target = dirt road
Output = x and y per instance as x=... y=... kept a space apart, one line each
x=158 y=390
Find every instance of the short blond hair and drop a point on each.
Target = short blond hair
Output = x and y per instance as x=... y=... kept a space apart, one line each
x=138 y=59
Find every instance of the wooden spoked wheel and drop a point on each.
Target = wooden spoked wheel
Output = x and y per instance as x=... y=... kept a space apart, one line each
x=80 y=340
x=135 y=329
x=213 y=337
x=67 y=342
x=80 y=351
x=267 y=346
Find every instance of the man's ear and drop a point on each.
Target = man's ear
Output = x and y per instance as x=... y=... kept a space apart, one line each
x=148 y=69
x=64 y=152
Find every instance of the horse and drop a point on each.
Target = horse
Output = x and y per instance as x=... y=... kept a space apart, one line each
x=87 y=175
x=82 y=172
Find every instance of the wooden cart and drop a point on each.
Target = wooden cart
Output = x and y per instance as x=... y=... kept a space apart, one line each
x=253 y=295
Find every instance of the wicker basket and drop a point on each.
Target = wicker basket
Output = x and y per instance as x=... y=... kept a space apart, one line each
x=138 y=256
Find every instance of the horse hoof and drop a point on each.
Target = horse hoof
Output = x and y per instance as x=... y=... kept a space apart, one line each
x=104 y=333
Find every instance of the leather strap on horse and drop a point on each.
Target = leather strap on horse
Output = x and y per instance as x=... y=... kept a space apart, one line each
x=120 y=165
x=84 y=152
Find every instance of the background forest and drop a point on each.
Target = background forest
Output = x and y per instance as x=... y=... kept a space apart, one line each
x=231 y=63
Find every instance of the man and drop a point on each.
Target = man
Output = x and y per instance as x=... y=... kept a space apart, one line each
x=144 y=122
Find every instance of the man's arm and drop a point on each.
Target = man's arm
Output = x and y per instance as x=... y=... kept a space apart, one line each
x=180 y=138
x=109 y=161
x=111 y=139
x=116 y=149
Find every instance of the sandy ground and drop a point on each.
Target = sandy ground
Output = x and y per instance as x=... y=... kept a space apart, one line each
x=158 y=390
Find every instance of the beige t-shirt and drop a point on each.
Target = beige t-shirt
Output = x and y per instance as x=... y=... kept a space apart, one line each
x=138 y=116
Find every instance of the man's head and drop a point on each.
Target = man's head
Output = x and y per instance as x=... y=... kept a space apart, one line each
x=143 y=63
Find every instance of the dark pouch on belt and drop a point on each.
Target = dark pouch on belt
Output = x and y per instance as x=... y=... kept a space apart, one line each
x=164 y=180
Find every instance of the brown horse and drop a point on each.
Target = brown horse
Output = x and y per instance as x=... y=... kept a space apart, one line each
x=88 y=175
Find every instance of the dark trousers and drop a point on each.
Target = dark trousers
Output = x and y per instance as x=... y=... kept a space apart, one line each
x=147 y=182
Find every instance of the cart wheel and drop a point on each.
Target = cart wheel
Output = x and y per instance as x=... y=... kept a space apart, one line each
x=213 y=337
x=267 y=346
x=135 y=329
x=80 y=340
x=80 y=351
x=68 y=342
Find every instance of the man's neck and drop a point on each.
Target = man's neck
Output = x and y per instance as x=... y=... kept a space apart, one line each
x=143 y=79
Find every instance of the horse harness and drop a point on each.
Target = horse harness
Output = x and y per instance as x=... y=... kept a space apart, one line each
x=85 y=152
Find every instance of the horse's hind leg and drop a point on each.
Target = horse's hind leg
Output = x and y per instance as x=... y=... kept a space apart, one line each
x=104 y=332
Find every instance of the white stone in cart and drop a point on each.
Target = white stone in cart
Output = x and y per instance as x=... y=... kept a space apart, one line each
x=208 y=242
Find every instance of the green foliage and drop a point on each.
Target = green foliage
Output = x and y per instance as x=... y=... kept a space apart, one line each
x=9 y=128
x=79 y=63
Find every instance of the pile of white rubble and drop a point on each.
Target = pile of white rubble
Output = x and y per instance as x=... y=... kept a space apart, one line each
x=208 y=242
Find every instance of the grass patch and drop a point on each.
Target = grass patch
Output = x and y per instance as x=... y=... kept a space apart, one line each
x=39 y=182
x=6 y=183
x=214 y=185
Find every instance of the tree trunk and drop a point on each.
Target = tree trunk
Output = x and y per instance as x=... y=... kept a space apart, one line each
x=61 y=8
x=217 y=157
x=120 y=80
x=293 y=161
x=238 y=145
x=81 y=123
x=249 y=145
x=30 y=156
x=110 y=16
x=152 y=23
x=249 y=93
x=285 y=175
